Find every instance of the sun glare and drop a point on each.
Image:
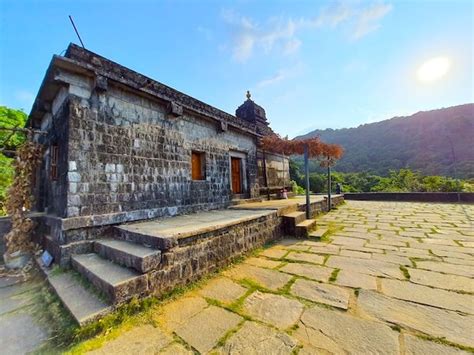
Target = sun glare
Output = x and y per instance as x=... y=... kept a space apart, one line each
x=433 y=69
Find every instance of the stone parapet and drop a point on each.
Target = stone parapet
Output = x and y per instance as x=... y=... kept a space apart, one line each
x=462 y=197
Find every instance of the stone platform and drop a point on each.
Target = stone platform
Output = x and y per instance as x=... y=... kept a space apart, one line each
x=394 y=278
x=318 y=204
x=152 y=257
x=185 y=226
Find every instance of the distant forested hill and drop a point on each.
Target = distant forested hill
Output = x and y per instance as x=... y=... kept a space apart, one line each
x=438 y=142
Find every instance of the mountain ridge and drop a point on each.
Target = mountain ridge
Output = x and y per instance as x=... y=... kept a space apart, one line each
x=434 y=142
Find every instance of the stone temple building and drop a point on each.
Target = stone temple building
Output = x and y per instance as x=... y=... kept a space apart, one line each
x=123 y=147
x=122 y=153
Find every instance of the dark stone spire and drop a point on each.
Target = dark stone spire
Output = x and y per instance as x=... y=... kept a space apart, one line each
x=253 y=113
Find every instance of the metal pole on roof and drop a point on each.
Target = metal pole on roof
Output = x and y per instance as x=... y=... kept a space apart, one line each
x=77 y=32
x=306 y=172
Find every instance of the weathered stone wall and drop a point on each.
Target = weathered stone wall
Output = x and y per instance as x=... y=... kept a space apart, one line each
x=51 y=195
x=5 y=225
x=126 y=154
x=278 y=174
x=322 y=206
x=463 y=197
x=207 y=252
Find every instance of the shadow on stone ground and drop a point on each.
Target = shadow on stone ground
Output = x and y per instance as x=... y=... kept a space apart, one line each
x=21 y=331
x=392 y=278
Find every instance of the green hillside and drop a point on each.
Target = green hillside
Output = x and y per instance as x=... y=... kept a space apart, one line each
x=438 y=142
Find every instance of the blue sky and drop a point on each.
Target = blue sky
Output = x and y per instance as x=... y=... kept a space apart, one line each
x=310 y=64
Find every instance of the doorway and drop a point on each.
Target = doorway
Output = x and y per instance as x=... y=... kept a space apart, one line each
x=236 y=175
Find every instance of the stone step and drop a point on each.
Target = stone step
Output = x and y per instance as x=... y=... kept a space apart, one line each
x=302 y=229
x=238 y=201
x=287 y=209
x=290 y=220
x=117 y=282
x=136 y=256
x=318 y=233
x=136 y=234
x=83 y=303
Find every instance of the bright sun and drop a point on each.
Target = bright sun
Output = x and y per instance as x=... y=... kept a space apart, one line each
x=433 y=69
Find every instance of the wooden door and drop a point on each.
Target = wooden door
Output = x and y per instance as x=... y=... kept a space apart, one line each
x=196 y=166
x=236 y=174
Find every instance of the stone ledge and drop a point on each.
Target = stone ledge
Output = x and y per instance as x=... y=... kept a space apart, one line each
x=65 y=224
x=463 y=197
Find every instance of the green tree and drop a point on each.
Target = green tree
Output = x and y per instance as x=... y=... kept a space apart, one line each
x=442 y=184
x=403 y=180
x=9 y=118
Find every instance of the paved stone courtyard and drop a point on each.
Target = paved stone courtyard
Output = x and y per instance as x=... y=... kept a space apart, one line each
x=392 y=278
x=20 y=329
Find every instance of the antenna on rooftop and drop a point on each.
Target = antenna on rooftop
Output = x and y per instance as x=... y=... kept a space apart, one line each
x=77 y=32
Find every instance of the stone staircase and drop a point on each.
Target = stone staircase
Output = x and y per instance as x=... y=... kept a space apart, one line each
x=116 y=269
x=110 y=271
x=296 y=224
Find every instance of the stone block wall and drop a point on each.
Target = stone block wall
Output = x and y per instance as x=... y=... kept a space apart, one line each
x=122 y=153
x=202 y=254
x=125 y=154
x=5 y=226
x=277 y=166
x=51 y=194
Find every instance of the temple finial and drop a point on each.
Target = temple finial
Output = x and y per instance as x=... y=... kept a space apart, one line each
x=248 y=95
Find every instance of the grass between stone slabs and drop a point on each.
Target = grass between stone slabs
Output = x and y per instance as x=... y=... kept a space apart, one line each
x=405 y=272
x=227 y=335
x=49 y=310
x=326 y=258
x=413 y=261
x=70 y=338
x=332 y=229
x=396 y=327
x=458 y=243
x=443 y=341
x=334 y=274
x=285 y=290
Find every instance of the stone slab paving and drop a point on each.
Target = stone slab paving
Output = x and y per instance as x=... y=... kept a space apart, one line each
x=392 y=278
x=305 y=257
x=140 y=340
x=439 y=280
x=433 y=321
x=263 y=262
x=342 y=333
x=254 y=338
x=322 y=293
x=314 y=272
x=270 y=279
x=204 y=330
x=279 y=311
x=20 y=330
x=223 y=290
x=356 y=280
x=418 y=346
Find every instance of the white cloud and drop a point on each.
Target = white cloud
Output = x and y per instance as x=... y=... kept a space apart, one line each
x=272 y=80
x=333 y=15
x=249 y=35
x=243 y=47
x=368 y=19
x=296 y=69
x=281 y=34
x=292 y=46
